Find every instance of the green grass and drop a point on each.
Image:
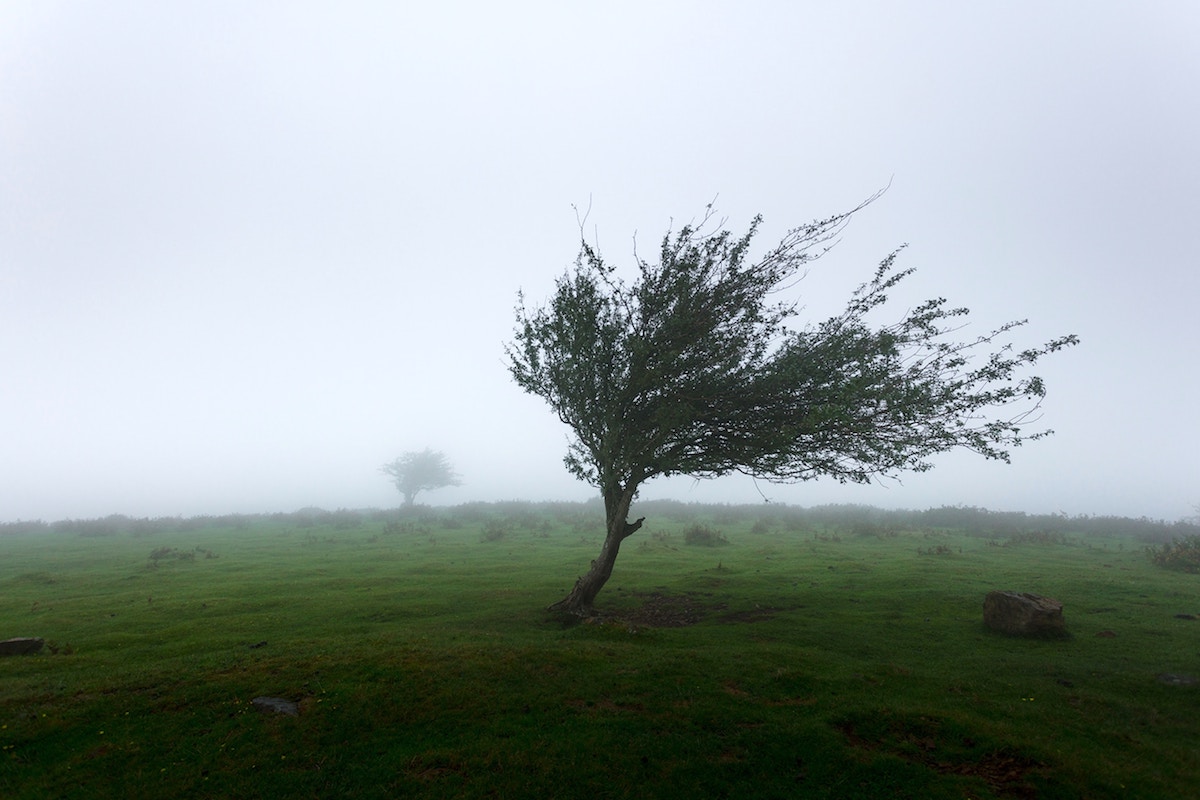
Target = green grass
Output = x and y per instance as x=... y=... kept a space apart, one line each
x=825 y=663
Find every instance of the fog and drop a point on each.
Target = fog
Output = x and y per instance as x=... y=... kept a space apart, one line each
x=251 y=252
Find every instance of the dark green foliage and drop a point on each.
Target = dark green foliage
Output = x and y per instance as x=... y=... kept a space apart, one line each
x=1181 y=554
x=694 y=368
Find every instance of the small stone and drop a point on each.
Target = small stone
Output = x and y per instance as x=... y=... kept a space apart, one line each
x=21 y=646
x=276 y=704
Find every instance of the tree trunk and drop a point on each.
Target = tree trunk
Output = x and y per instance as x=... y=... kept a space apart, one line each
x=581 y=598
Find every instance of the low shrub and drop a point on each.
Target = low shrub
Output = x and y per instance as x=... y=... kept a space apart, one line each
x=344 y=519
x=396 y=528
x=494 y=530
x=1180 y=554
x=22 y=527
x=171 y=553
x=1037 y=537
x=703 y=536
x=868 y=528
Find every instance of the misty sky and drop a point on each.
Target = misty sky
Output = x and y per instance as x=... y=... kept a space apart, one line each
x=251 y=251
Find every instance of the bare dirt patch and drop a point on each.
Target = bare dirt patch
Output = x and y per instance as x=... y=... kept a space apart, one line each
x=660 y=610
x=922 y=740
x=667 y=610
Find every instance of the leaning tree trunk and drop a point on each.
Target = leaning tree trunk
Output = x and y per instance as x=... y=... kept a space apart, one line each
x=581 y=598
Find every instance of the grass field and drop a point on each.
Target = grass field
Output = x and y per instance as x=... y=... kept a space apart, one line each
x=794 y=658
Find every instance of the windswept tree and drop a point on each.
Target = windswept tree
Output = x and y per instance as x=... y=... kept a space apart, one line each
x=416 y=472
x=691 y=369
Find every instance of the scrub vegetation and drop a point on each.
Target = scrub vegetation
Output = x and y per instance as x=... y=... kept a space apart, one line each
x=1182 y=554
x=813 y=653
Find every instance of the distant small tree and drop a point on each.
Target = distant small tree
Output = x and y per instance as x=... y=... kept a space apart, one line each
x=417 y=471
x=694 y=368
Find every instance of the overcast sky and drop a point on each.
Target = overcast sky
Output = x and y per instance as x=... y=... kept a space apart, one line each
x=251 y=251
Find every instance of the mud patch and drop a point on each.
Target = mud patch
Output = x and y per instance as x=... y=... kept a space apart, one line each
x=660 y=610
x=663 y=610
x=946 y=748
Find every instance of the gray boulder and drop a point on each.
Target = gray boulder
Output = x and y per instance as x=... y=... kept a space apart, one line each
x=21 y=647
x=1023 y=614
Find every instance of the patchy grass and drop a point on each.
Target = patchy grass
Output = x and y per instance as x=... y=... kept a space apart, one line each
x=802 y=662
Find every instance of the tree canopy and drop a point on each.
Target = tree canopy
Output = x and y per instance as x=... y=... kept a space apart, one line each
x=418 y=471
x=691 y=368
